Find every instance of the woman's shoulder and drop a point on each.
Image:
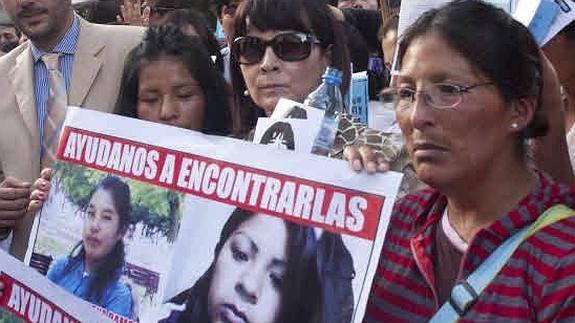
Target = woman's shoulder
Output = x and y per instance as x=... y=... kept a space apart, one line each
x=553 y=192
x=417 y=203
x=61 y=262
x=58 y=266
x=120 y=288
x=414 y=210
x=119 y=299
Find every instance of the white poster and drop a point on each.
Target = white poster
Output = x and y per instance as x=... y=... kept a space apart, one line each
x=290 y=134
x=565 y=16
x=29 y=297
x=217 y=229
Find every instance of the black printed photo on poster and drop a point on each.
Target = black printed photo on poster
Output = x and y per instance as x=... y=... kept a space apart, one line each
x=264 y=270
x=219 y=229
x=287 y=134
x=102 y=238
x=297 y=112
x=289 y=109
x=279 y=135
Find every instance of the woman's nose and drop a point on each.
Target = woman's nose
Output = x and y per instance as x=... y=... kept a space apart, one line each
x=95 y=225
x=421 y=111
x=269 y=61
x=168 y=110
x=249 y=285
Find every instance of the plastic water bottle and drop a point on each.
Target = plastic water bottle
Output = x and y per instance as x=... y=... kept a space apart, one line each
x=327 y=97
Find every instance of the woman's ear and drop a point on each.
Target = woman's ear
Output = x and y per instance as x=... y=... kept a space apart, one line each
x=522 y=112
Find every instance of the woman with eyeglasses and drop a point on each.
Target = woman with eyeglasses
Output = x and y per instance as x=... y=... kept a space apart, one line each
x=469 y=95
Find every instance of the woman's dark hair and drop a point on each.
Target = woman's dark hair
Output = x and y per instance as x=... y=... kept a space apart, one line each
x=297 y=113
x=216 y=6
x=308 y=16
x=569 y=31
x=113 y=264
x=495 y=44
x=168 y=40
x=301 y=294
x=184 y=17
x=277 y=129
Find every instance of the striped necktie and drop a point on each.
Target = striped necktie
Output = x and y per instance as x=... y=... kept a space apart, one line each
x=56 y=109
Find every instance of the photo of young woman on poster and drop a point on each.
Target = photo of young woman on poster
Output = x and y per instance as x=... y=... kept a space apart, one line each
x=93 y=268
x=279 y=135
x=267 y=270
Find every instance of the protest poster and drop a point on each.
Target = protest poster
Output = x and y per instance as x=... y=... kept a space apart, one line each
x=259 y=231
x=544 y=18
x=291 y=134
x=291 y=126
x=289 y=109
x=564 y=17
x=29 y=297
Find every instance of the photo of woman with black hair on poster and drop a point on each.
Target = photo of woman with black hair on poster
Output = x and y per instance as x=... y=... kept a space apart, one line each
x=93 y=269
x=279 y=135
x=268 y=270
x=106 y=239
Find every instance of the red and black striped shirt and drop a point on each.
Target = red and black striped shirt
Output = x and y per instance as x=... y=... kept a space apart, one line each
x=537 y=284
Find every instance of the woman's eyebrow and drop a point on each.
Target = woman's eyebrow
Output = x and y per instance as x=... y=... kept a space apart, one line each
x=253 y=246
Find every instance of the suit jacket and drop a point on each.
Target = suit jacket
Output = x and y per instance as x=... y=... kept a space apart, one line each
x=95 y=81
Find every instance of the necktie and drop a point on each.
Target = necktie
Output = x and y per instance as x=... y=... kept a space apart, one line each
x=56 y=109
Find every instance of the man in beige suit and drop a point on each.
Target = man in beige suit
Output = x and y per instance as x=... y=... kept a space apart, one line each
x=91 y=62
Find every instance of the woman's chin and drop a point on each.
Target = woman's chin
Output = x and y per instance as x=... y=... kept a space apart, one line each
x=269 y=110
x=428 y=174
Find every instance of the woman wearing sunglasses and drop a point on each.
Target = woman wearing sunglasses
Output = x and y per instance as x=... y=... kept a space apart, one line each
x=280 y=49
x=472 y=89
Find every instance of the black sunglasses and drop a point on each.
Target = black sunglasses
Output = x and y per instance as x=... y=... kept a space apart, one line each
x=288 y=46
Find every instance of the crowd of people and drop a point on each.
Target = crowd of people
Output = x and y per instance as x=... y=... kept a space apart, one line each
x=487 y=117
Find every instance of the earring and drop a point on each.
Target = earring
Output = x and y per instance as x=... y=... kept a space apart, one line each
x=514 y=126
x=246 y=93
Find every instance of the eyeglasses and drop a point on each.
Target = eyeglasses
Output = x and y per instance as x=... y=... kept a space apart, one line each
x=288 y=46
x=438 y=95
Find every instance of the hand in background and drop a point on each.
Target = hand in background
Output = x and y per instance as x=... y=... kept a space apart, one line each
x=14 y=199
x=133 y=14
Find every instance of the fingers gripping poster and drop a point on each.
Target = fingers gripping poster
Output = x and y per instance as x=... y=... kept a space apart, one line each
x=158 y=224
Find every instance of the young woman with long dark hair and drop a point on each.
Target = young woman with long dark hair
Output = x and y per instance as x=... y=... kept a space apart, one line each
x=93 y=269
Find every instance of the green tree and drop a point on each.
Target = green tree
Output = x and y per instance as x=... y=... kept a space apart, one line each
x=158 y=209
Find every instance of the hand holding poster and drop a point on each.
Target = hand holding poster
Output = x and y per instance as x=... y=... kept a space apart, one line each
x=236 y=231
